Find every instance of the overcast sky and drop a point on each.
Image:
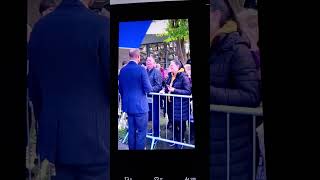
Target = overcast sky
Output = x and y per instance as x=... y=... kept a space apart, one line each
x=157 y=27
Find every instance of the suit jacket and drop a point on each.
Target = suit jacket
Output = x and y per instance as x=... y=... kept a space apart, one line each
x=69 y=75
x=134 y=85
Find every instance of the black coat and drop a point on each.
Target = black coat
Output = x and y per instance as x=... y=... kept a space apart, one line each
x=234 y=82
x=182 y=87
x=69 y=70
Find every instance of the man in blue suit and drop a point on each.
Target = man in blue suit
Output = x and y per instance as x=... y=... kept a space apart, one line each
x=134 y=85
x=68 y=80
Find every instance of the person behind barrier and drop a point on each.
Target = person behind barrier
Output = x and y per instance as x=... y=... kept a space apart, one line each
x=178 y=108
x=166 y=73
x=69 y=74
x=158 y=66
x=233 y=82
x=154 y=74
x=248 y=19
x=156 y=82
x=134 y=85
x=187 y=68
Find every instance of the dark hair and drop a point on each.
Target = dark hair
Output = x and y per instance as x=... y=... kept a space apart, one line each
x=227 y=13
x=46 y=4
x=178 y=63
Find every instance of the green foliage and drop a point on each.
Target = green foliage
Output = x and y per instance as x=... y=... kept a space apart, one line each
x=177 y=29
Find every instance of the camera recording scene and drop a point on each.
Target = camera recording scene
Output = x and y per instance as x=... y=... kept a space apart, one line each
x=155 y=110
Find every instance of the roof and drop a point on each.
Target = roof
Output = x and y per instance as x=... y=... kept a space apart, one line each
x=153 y=39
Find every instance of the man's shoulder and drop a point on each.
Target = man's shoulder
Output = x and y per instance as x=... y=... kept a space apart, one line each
x=98 y=18
x=81 y=14
x=142 y=69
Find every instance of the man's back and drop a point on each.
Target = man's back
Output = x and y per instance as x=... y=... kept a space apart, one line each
x=133 y=86
x=69 y=62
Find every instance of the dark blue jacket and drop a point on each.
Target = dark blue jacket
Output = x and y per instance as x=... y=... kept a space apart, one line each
x=69 y=76
x=155 y=79
x=134 y=85
x=234 y=81
x=178 y=108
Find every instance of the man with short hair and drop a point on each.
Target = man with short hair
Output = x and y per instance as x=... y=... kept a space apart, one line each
x=156 y=83
x=134 y=85
x=69 y=74
x=154 y=74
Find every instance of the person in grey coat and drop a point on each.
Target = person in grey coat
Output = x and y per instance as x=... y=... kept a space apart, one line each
x=156 y=82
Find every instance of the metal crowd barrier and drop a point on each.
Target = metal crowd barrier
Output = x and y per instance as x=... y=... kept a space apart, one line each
x=156 y=135
x=254 y=112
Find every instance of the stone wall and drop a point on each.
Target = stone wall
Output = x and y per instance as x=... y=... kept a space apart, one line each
x=123 y=56
x=33 y=11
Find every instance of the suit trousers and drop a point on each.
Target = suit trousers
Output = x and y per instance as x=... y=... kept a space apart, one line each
x=138 y=124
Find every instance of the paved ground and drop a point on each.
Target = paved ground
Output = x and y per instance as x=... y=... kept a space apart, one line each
x=160 y=144
x=122 y=146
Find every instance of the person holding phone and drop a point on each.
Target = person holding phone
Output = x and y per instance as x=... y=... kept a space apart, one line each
x=178 y=108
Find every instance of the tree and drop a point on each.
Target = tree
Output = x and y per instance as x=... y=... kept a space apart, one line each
x=178 y=31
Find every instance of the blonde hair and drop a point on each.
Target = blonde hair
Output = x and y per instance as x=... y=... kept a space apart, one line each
x=187 y=67
x=248 y=19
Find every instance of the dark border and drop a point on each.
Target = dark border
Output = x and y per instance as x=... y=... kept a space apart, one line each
x=165 y=163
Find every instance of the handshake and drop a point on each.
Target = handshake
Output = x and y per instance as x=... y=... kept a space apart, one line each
x=170 y=89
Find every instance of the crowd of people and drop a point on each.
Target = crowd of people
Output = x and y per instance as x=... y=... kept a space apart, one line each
x=176 y=79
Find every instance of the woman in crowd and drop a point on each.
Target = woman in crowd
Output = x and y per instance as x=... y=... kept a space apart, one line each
x=234 y=81
x=178 y=108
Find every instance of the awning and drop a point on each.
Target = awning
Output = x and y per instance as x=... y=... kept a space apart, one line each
x=131 y=34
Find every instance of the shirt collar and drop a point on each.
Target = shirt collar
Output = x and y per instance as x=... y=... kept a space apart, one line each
x=133 y=61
